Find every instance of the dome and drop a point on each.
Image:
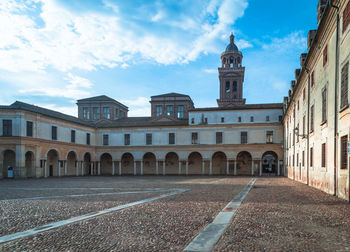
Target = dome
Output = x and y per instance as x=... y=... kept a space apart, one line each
x=231 y=47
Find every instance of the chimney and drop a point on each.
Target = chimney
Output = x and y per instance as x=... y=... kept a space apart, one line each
x=297 y=73
x=302 y=59
x=310 y=38
x=292 y=85
x=322 y=4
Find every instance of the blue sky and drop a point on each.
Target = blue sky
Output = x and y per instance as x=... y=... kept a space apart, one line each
x=53 y=52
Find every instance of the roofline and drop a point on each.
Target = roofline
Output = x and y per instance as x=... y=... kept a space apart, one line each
x=242 y=107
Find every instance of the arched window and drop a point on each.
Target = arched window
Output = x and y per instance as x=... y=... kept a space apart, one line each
x=227 y=87
x=234 y=86
x=231 y=60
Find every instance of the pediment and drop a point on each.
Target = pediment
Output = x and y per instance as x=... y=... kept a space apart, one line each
x=164 y=118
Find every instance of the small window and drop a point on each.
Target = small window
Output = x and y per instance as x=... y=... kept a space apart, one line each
x=180 y=111
x=194 y=138
x=29 y=129
x=170 y=110
x=239 y=119
x=311 y=157
x=171 y=138
x=244 y=137
x=7 y=127
x=116 y=113
x=54 y=133
x=267 y=118
x=298 y=134
x=324 y=105
x=343 y=152
x=346 y=17
x=148 y=138
x=269 y=136
x=86 y=113
x=325 y=56
x=344 y=86
x=227 y=87
x=312 y=118
x=126 y=139
x=96 y=113
x=312 y=78
x=323 y=155
x=280 y=118
x=293 y=160
x=252 y=118
x=304 y=94
x=298 y=105
x=218 y=137
x=122 y=114
x=72 y=136
x=105 y=139
x=206 y=120
x=159 y=110
x=106 y=113
x=303 y=125
x=88 y=138
x=222 y=119
x=234 y=86
x=303 y=159
x=192 y=120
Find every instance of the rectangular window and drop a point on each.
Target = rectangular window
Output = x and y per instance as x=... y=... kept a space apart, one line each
x=303 y=158
x=126 y=139
x=343 y=152
x=325 y=56
x=218 y=137
x=159 y=110
x=222 y=119
x=105 y=139
x=72 y=136
x=86 y=113
x=7 y=127
x=323 y=155
x=88 y=138
x=192 y=120
x=311 y=157
x=116 y=113
x=298 y=105
x=344 y=86
x=96 y=113
x=170 y=110
x=252 y=118
x=54 y=133
x=312 y=118
x=293 y=160
x=244 y=137
x=122 y=114
x=280 y=118
x=269 y=136
x=324 y=105
x=312 y=79
x=346 y=17
x=148 y=138
x=239 y=119
x=171 y=138
x=267 y=118
x=29 y=129
x=106 y=113
x=303 y=125
x=180 y=111
x=298 y=134
x=227 y=87
x=304 y=94
x=194 y=138
x=206 y=120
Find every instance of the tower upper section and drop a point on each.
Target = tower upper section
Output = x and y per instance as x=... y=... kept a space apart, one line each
x=231 y=76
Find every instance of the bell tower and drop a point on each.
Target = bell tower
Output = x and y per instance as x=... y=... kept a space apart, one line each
x=231 y=76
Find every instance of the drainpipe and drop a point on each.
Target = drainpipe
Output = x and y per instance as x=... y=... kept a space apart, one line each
x=294 y=162
x=308 y=128
x=336 y=97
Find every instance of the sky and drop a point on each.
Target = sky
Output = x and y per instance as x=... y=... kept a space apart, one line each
x=54 y=52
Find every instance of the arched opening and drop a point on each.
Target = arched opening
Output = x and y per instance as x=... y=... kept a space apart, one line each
x=149 y=163
x=219 y=163
x=244 y=163
x=9 y=160
x=127 y=163
x=269 y=162
x=106 y=164
x=71 y=163
x=29 y=164
x=172 y=163
x=87 y=163
x=52 y=163
x=195 y=163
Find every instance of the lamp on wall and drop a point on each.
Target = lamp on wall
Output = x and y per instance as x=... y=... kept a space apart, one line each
x=296 y=132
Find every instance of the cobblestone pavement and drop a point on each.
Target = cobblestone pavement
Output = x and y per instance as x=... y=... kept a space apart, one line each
x=277 y=214
x=282 y=215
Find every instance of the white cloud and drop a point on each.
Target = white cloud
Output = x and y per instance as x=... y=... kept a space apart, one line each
x=160 y=15
x=140 y=101
x=146 y=111
x=138 y=107
x=69 y=110
x=295 y=40
x=210 y=71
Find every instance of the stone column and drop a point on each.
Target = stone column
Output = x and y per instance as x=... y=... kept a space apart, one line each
x=180 y=167
x=59 y=168
x=91 y=169
x=203 y=167
x=227 y=167
x=120 y=168
x=77 y=168
x=163 y=167
x=98 y=168
x=253 y=162
x=260 y=168
x=186 y=167
x=134 y=168
x=279 y=168
x=65 y=167
x=141 y=167
x=210 y=167
x=157 y=167
x=113 y=168
x=82 y=168
x=45 y=168
x=235 y=167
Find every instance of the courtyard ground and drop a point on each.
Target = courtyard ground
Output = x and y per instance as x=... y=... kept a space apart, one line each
x=167 y=213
